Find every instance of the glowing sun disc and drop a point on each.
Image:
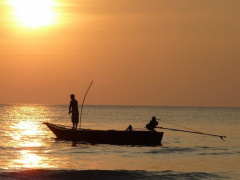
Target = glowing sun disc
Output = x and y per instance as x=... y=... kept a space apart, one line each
x=34 y=13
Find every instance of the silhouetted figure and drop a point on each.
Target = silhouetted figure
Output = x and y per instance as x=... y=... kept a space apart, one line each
x=152 y=124
x=73 y=108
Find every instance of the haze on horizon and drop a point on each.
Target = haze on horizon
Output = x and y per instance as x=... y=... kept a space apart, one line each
x=137 y=52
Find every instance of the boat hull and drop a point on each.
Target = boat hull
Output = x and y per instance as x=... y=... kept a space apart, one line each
x=144 y=138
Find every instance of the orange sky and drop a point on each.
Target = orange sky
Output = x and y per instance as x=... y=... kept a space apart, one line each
x=137 y=52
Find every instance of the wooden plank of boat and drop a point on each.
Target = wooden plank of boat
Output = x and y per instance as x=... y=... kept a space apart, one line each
x=143 y=138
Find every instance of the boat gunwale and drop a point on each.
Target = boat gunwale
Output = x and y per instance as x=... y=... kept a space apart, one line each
x=68 y=128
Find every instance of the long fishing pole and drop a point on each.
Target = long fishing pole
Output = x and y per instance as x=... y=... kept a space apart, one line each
x=44 y=122
x=195 y=132
x=63 y=116
x=177 y=125
x=83 y=104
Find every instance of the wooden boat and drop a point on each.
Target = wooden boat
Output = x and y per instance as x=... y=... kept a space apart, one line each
x=142 y=138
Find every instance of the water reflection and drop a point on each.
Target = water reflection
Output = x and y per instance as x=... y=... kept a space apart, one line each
x=25 y=133
x=28 y=159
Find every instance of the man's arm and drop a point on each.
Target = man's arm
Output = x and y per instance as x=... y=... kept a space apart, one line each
x=70 y=108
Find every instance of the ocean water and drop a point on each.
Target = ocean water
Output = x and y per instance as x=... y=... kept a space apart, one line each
x=29 y=149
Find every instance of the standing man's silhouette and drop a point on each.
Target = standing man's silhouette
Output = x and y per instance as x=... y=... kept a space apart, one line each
x=73 y=108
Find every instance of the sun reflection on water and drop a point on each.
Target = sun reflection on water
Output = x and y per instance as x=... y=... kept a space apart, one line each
x=26 y=138
x=27 y=159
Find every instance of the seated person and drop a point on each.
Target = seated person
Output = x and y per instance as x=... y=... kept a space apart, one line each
x=152 y=124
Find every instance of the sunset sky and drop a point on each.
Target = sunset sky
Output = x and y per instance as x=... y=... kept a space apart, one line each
x=137 y=52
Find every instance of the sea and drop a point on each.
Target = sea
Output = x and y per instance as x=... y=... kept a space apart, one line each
x=29 y=150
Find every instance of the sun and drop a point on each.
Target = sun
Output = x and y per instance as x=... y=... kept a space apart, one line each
x=34 y=13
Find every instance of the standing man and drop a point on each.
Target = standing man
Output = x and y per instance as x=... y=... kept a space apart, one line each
x=73 y=108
